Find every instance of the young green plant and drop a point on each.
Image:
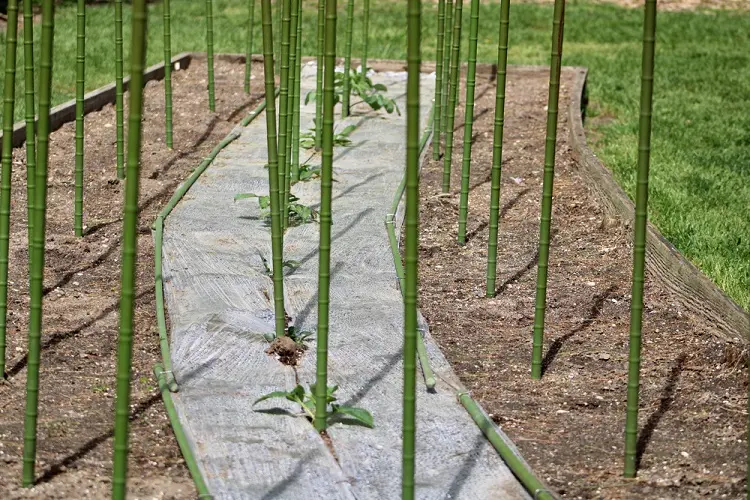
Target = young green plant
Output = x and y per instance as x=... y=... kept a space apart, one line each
x=80 y=89
x=547 y=188
x=471 y=76
x=297 y=213
x=347 y=58
x=310 y=405
x=324 y=263
x=168 y=71
x=9 y=100
x=119 y=89
x=29 y=84
x=436 y=132
x=639 y=238
x=452 y=94
x=411 y=247
x=36 y=272
x=129 y=252
x=249 y=44
x=497 y=146
x=210 y=54
x=273 y=168
x=372 y=94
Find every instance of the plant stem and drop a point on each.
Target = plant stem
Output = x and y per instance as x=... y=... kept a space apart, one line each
x=273 y=167
x=345 y=98
x=9 y=100
x=80 y=89
x=639 y=237
x=249 y=44
x=210 y=54
x=168 y=72
x=497 y=146
x=365 y=35
x=119 y=100
x=326 y=187
x=38 y=240
x=438 y=82
x=471 y=75
x=319 y=76
x=453 y=92
x=28 y=63
x=547 y=189
x=411 y=244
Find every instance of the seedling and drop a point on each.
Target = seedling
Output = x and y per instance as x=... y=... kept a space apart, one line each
x=363 y=87
x=307 y=139
x=299 y=338
x=298 y=213
x=307 y=401
x=291 y=264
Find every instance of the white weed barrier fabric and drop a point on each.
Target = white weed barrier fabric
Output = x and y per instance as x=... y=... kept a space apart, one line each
x=219 y=300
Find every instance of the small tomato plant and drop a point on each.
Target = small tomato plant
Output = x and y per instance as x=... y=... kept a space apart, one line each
x=362 y=86
x=307 y=139
x=299 y=338
x=306 y=400
x=298 y=213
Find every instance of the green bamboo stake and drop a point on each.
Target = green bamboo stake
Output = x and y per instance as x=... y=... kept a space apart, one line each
x=346 y=97
x=28 y=63
x=37 y=250
x=547 y=188
x=319 y=76
x=365 y=34
x=277 y=48
x=9 y=100
x=249 y=44
x=296 y=101
x=453 y=92
x=129 y=251
x=80 y=89
x=471 y=76
x=497 y=146
x=210 y=54
x=639 y=237
x=411 y=244
x=168 y=72
x=326 y=182
x=438 y=82
x=447 y=52
x=284 y=103
x=287 y=185
x=119 y=100
x=273 y=167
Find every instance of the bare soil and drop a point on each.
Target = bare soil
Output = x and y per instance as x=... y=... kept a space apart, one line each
x=570 y=425
x=81 y=298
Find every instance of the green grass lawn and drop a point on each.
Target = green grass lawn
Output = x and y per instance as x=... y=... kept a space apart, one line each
x=700 y=174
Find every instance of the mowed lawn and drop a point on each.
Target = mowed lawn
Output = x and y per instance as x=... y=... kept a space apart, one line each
x=700 y=173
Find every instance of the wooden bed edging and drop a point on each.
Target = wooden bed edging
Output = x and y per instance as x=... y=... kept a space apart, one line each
x=94 y=100
x=693 y=290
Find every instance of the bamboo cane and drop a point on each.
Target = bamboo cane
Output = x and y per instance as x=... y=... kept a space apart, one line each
x=438 y=82
x=326 y=181
x=411 y=246
x=28 y=63
x=249 y=45
x=471 y=75
x=319 y=76
x=9 y=100
x=365 y=34
x=273 y=167
x=497 y=146
x=284 y=105
x=453 y=92
x=119 y=90
x=168 y=72
x=347 y=91
x=80 y=89
x=296 y=101
x=547 y=189
x=639 y=237
x=129 y=251
x=38 y=239
x=447 y=53
x=293 y=24
x=210 y=54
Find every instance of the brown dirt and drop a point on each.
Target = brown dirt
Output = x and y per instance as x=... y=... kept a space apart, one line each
x=81 y=297
x=570 y=425
x=285 y=350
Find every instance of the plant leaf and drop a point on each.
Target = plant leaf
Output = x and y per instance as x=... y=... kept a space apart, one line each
x=359 y=414
x=244 y=196
x=270 y=395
